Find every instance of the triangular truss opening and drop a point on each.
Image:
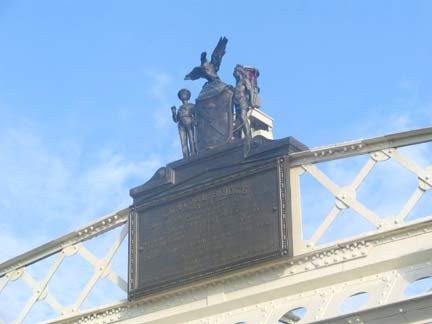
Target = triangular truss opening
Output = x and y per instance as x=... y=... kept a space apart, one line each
x=346 y=225
x=103 y=293
x=423 y=207
x=40 y=311
x=316 y=203
x=70 y=279
x=13 y=299
x=387 y=188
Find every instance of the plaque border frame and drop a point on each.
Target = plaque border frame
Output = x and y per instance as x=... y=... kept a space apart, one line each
x=281 y=166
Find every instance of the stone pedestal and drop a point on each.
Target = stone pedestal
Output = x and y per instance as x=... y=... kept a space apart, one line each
x=261 y=123
x=205 y=215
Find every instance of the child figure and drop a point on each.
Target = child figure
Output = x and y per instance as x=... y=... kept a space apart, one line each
x=185 y=119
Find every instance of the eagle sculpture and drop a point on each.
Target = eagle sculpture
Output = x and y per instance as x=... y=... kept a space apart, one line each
x=208 y=70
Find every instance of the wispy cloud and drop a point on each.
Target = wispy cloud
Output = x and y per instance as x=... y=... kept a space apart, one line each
x=160 y=83
x=410 y=109
x=161 y=92
x=49 y=190
x=46 y=192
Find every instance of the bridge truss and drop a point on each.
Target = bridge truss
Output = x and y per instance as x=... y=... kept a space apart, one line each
x=362 y=243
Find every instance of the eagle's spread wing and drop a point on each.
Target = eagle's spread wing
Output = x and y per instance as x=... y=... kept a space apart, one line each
x=218 y=53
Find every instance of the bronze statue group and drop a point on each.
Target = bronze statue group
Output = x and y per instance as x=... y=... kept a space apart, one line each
x=224 y=108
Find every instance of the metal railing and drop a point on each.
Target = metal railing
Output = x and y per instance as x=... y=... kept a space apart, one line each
x=380 y=151
x=61 y=250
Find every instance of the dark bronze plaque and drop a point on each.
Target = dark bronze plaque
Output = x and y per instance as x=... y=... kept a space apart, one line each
x=217 y=229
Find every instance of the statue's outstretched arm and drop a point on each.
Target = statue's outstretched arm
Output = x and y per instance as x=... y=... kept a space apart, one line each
x=174 y=114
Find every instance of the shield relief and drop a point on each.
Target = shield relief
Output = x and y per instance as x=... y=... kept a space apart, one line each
x=214 y=118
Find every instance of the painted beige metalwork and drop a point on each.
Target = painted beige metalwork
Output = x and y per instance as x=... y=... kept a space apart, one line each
x=346 y=197
x=62 y=248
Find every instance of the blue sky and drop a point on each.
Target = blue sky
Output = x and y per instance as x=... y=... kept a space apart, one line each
x=85 y=90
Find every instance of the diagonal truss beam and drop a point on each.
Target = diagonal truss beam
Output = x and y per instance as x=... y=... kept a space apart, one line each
x=100 y=268
x=364 y=172
x=346 y=199
x=38 y=288
x=94 y=229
